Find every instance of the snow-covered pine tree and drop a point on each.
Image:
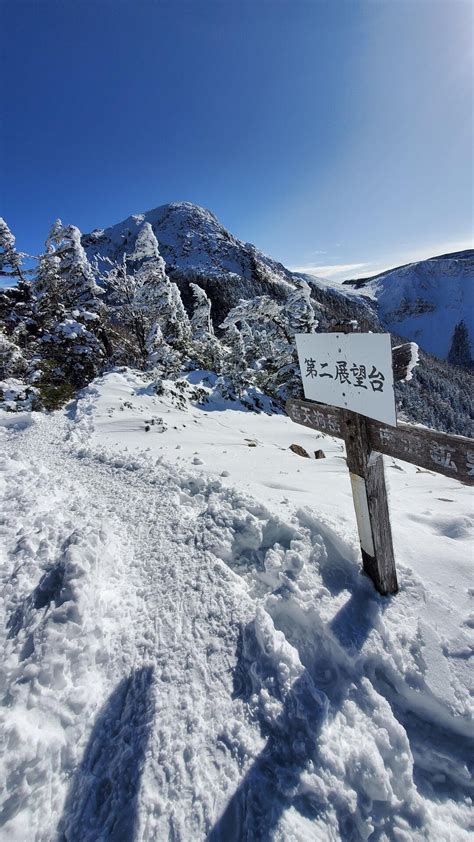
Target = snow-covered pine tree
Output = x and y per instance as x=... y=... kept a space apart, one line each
x=265 y=335
x=160 y=301
x=178 y=329
x=71 y=339
x=49 y=289
x=460 y=351
x=235 y=365
x=12 y=361
x=17 y=313
x=10 y=258
x=297 y=314
x=298 y=311
x=16 y=302
x=273 y=327
x=206 y=348
x=201 y=322
x=127 y=320
x=80 y=289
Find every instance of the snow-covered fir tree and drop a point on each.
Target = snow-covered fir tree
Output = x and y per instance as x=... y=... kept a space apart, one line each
x=235 y=365
x=201 y=322
x=298 y=311
x=70 y=338
x=80 y=288
x=206 y=348
x=128 y=322
x=160 y=299
x=12 y=360
x=460 y=351
x=10 y=258
x=298 y=316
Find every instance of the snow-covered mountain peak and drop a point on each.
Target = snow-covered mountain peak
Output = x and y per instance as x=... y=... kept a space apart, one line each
x=197 y=248
x=182 y=229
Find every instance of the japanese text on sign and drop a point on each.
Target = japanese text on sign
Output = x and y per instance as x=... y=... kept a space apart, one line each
x=351 y=371
x=356 y=375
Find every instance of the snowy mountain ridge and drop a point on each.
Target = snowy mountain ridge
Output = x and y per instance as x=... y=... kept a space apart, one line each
x=425 y=301
x=422 y=301
x=195 y=246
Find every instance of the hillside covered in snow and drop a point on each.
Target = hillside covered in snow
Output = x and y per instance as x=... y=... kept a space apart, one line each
x=430 y=302
x=190 y=649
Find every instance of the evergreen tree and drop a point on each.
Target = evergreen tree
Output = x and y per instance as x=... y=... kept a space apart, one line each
x=127 y=318
x=298 y=311
x=206 y=347
x=12 y=361
x=49 y=288
x=298 y=316
x=80 y=289
x=235 y=365
x=70 y=335
x=460 y=351
x=17 y=313
x=201 y=322
x=159 y=298
x=10 y=258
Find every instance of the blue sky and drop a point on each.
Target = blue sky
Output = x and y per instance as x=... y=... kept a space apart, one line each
x=336 y=136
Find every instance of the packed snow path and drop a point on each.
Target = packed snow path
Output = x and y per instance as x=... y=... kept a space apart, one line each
x=183 y=664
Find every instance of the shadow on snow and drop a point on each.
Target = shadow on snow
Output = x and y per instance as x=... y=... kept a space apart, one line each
x=270 y=786
x=102 y=802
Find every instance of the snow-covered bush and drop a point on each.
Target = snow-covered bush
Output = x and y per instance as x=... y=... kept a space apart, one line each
x=17 y=396
x=12 y=361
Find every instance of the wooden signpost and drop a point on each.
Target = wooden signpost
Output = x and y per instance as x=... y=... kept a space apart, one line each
x=366 y=439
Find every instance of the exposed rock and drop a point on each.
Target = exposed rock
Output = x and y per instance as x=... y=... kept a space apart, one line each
x=319 y=454
x=300 y=451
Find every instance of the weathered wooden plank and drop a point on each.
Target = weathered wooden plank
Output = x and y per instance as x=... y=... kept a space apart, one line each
x=318 y=416
x=370 y=497
x=381 y=567
x=443 y=453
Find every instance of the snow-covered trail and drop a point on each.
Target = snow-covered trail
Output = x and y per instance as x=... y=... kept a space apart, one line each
x=183 y=664
x=166 y=619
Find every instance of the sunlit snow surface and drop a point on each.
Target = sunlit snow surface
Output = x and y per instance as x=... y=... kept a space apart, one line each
x=191 y=651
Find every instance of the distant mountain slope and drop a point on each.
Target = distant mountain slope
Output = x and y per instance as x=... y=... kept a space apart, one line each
x=425 y=301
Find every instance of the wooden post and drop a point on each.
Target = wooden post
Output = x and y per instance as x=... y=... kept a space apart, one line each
x=366 y=440
x=369 y=493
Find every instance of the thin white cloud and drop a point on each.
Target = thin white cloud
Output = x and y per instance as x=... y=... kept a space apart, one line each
x=425 y=252
x=347 y=271
x=336 y=271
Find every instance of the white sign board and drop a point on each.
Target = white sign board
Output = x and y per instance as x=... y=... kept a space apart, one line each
x=349 y=370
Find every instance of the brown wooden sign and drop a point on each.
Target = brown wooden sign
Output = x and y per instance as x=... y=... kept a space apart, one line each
x=443 y=453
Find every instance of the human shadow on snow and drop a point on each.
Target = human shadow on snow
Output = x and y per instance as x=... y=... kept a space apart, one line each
x=270 y=786
x=102 y=802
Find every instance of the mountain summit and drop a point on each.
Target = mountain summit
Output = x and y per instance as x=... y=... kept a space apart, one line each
x=197 y=249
